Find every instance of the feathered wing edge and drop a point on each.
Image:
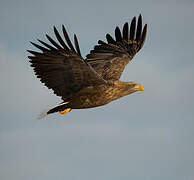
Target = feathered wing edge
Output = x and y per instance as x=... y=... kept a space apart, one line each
x=133 y=36
x=130 y=41
x=58 y=60
x=57 y=47
x=110 y=58
x=50 y=61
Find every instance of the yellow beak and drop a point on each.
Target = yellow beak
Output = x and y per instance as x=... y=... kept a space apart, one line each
x=139 y=87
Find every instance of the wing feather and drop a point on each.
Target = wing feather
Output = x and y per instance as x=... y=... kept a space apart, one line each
x=126 y=31
x=53 y=42
x=40 y=47
x=60 y=39
x=110 y=39
x=143 y=37
x=67 y=38
x=61 y=67
x=139 y=28
x=77 y=45
x=132 y=29
x=109 y=59
x=118 y=35
x=47 y=45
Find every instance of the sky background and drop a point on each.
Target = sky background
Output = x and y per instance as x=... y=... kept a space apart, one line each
x=144 y=136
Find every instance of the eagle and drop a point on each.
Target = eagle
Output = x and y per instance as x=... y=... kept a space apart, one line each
x=92 y=81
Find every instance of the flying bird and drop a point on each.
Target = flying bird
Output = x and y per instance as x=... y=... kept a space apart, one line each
x=92 y=81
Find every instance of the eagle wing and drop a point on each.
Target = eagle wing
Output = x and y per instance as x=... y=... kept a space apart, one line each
x=61 y=66
x=109 y=59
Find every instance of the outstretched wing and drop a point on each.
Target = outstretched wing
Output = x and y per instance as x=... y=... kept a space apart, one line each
x=61 y=67
x=109 y=59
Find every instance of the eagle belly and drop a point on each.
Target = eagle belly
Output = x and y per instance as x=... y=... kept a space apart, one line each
x=92 y=96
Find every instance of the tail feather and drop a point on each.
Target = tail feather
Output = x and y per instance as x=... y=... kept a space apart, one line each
x=57 y=108
x=43 y=114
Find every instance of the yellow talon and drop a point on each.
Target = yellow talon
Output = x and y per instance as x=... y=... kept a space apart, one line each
x=65 y=111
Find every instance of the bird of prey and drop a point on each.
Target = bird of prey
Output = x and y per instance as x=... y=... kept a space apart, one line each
x=92 y=81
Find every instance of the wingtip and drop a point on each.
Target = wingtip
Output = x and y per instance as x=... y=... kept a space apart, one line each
x=54 y=28
x=117 y=28
x=134 y=19
x=63 y=28
x=126 y=31
x=31 y=42
x=77 y=45
x=140 y=18
x=47 y=36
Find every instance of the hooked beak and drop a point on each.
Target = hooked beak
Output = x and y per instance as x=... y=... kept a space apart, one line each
x=139 y=87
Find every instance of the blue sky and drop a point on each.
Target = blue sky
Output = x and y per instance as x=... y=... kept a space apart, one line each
x=146 y=135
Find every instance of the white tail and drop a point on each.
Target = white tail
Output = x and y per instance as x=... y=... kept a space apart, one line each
x=50 y=110
x=43 y=114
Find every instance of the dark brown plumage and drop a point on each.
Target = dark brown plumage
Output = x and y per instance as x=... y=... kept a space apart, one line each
x=93 y=81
